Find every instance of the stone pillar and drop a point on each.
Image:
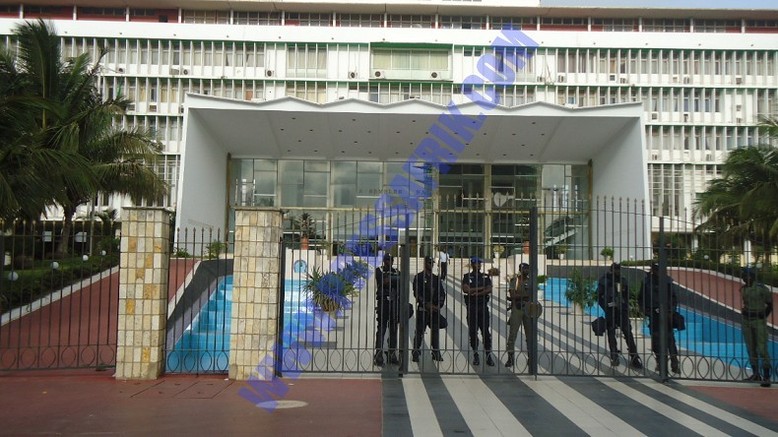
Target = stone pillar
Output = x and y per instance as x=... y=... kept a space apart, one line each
x=143 y=293
x=255 y=298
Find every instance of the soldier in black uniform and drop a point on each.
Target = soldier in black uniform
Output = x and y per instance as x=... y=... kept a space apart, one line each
x=613 y=298
x=430 y=298
x=387 y=281
x=649 y=299
x=477 y=287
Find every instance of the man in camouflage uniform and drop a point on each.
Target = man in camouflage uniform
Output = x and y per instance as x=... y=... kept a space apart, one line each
x=519 y=296
x=757 y=306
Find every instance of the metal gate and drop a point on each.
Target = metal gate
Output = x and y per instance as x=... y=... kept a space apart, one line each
x=570 y=252
x=58 y=296
x=200 y=303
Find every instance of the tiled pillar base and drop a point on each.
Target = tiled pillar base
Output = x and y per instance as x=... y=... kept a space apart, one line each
x=143 y=291
x=253 y=332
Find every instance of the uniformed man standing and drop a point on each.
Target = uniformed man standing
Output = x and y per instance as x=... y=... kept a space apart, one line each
x=387 y=280
x=757 y=306
x=443 y=260
x=430 y=298
x=613 y=298
x=649 y=299
x=477 y=287
x=519 y=295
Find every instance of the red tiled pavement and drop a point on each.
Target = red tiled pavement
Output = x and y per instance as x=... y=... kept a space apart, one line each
x=756 y=400
x=185 y=405
x=78 y=330
x=718 y=288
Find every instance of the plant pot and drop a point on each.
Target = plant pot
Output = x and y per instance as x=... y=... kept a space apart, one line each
x=304 y=243
x=637 y=326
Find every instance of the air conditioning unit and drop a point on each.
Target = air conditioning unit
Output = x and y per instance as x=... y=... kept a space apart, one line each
x=268 y=73
x=184 y=71
x=654 y=115
x=352 y=74
x=435 y=75
x=131 y=107
x=175 y=71
x=541 y=79
x=181 y=109
x=739 y=120
x=708 y=157
x=623 y=80
x=687 y=80
x=120 y=70
x=612 y=77
x=675 y=79
x=738 y=108
x=685 y=116
x=561 y=78
x=379 y=74
x=654 y=156
x=152 y=107
x=738 y=80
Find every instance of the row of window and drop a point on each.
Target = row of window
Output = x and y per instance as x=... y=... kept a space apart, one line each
x=314 y=60
x=659 y=101
x=673 y=188
x=674 y=62
x=703 y=138
x=297 y=183
x=392 y=20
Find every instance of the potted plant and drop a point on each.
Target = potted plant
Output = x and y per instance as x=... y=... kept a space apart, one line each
x=581 y=290
x=305 y=225
x=328 y=291
x=607 y=253
x=561 y=250
x=636 y=316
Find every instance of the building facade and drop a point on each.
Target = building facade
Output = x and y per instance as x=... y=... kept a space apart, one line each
x=702 y=76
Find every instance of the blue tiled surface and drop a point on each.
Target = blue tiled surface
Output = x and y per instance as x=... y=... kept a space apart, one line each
x=205 y=345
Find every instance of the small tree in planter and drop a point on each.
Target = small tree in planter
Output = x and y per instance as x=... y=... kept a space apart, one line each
x=581 y=290
x=607 y=253
x=561 y=250
x=328 y=291
x=305 y=225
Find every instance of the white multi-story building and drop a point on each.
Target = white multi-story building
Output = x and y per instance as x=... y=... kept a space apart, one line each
x=702 y=75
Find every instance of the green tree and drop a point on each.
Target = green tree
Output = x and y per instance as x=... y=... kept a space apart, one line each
x=27 y=159
x=743 y=202
x=72 y=126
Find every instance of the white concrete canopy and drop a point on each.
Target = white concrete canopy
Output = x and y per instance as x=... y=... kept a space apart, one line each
x=611 y=137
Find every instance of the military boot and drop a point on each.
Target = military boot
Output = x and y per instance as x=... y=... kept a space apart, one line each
x=766 y=378
x=635 y=362
x=378 y=358
x=509 y=361
x=674 y=365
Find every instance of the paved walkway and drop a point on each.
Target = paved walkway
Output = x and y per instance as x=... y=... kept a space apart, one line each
x=88 y=403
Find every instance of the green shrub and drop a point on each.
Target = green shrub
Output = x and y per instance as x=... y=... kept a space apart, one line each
x=581 y=290
x=215 y=248
x=180 y=252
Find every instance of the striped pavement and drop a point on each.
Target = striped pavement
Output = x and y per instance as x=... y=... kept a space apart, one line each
x=514 y=405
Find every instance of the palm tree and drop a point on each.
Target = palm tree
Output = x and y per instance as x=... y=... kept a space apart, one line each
x=743 y=202
x=65 y=119
x=26 y=161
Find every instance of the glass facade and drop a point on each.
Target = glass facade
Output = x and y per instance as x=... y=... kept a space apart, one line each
x=473 y=203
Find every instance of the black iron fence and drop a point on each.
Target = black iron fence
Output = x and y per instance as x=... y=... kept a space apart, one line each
x=59 y=301
x=571 y=252
x=200 y=298
x=58 y=295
